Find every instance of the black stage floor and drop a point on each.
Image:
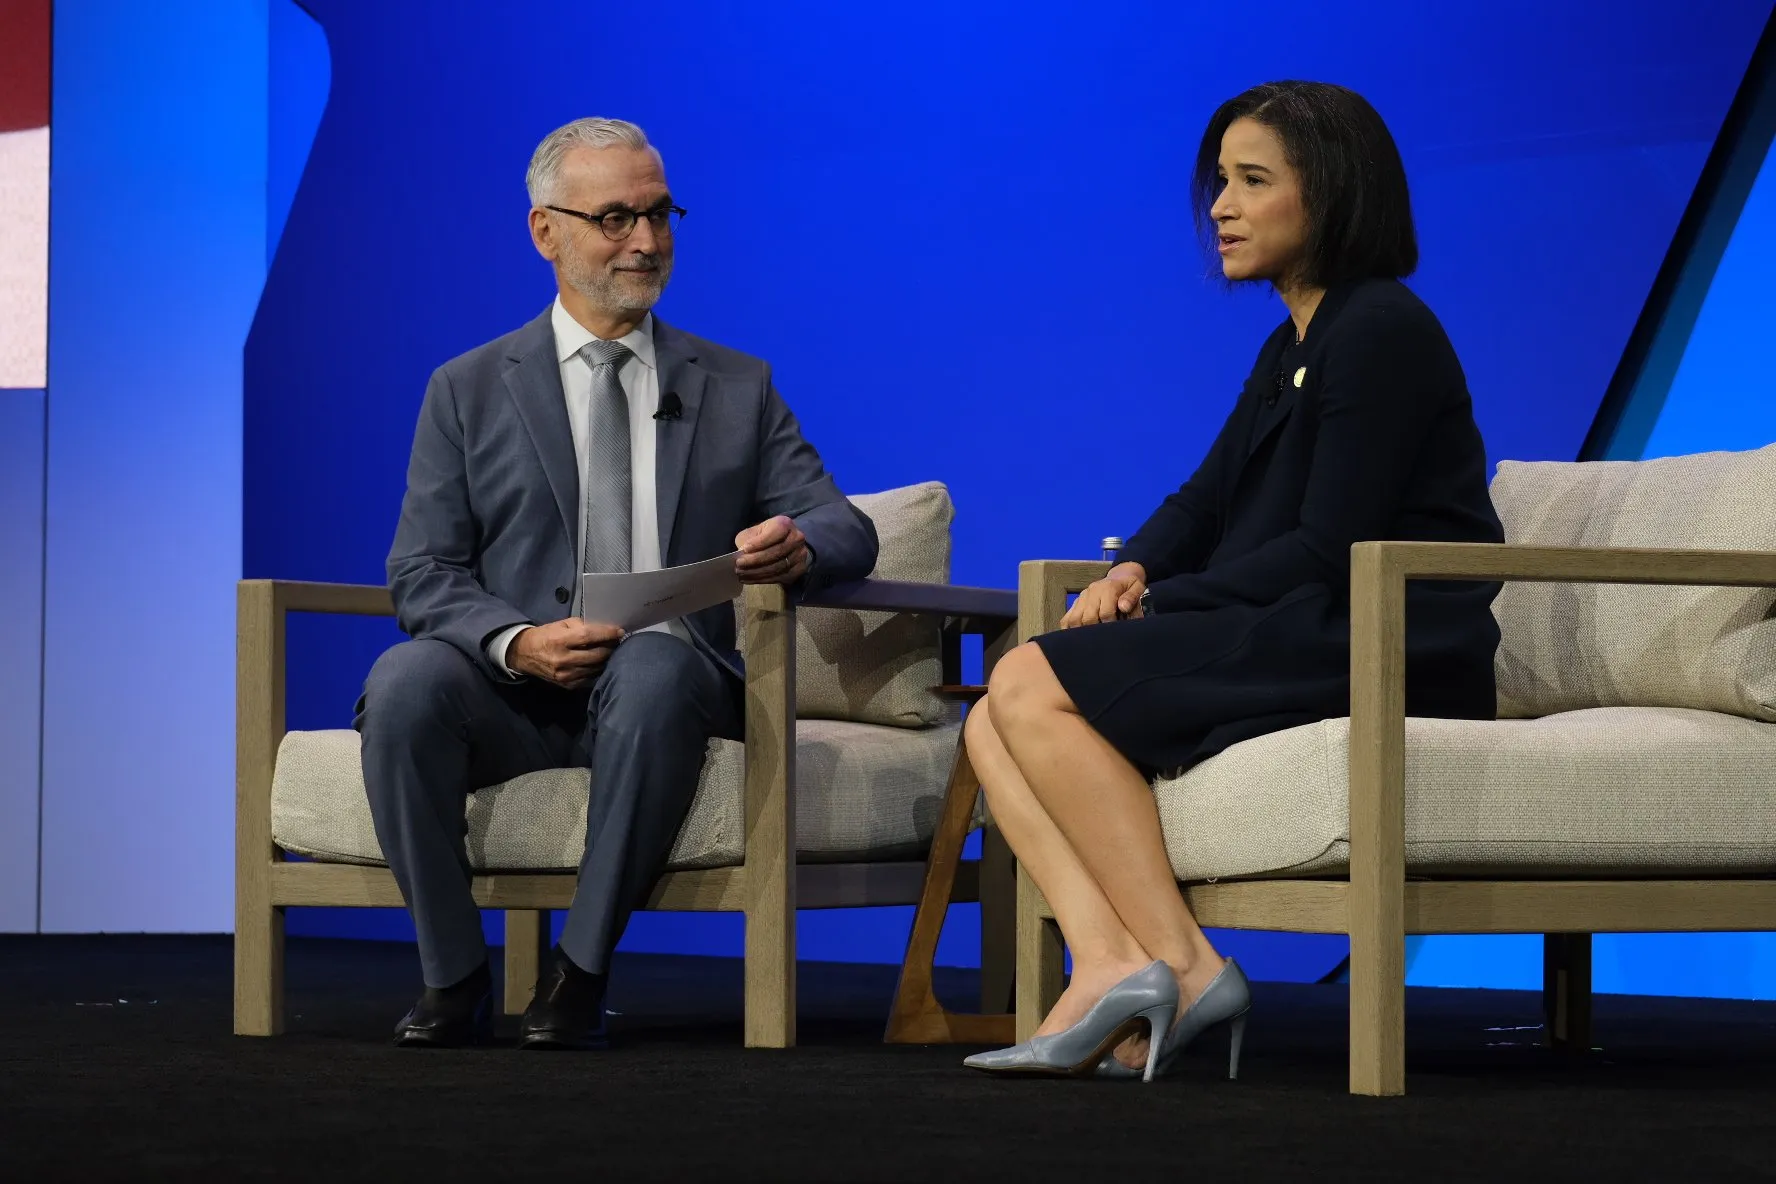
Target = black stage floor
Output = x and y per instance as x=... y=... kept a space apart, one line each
x=116 y=1062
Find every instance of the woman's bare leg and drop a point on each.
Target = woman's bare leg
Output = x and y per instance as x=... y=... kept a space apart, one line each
x=1104 y=953
x=1103 y=808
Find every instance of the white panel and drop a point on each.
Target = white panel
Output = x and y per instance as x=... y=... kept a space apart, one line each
x=24 y=255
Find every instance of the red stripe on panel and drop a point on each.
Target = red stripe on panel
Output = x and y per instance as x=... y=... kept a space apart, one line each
x=24 y=64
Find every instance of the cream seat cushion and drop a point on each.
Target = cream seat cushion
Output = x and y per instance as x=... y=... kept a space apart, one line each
x=864 y=790
x=1615 y=790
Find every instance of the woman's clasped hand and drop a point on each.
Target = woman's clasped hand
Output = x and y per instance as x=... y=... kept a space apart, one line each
x=1115 y=597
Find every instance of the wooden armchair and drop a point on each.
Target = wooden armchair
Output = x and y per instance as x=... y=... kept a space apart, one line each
x=1443 y=815
x=758 y=874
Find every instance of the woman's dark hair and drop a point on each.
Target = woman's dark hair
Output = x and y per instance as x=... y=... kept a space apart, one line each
x=1359 y=213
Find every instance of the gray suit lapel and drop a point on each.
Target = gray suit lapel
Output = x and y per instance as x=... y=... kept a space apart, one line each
x=680 y=376
x=534 y=378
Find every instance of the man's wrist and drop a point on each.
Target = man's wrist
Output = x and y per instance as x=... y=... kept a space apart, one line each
x=499 y=649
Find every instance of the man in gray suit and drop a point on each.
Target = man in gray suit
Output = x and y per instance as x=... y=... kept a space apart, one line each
x=594 y=439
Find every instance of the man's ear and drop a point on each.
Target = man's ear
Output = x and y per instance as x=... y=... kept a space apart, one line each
x=542 y=234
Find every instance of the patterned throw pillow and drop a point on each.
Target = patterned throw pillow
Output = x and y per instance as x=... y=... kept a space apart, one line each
x=879 y=668
x=1571 y=646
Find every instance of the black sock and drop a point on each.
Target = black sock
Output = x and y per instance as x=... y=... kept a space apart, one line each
x=575 y=974
x=478 y=983
x=579 y=984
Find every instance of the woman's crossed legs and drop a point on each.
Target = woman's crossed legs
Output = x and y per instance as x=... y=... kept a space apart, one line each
x=1083 y=822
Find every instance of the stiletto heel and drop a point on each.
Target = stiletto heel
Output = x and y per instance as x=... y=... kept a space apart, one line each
x=1236 y=1034
x=1159 y=1022
x=1149 y=996
x=1226 y=1000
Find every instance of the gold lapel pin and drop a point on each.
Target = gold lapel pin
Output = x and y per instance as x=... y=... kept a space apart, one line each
x=1300 y=376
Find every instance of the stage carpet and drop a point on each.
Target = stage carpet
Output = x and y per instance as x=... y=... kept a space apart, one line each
x=117 y=1062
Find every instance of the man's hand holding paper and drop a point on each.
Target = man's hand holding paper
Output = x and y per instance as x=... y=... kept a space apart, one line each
x=568 y=653
x=773 y=552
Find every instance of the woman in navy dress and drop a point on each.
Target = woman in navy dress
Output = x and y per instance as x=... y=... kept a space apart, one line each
x=1229 y=615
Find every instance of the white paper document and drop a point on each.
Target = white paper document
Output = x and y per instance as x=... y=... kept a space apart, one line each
x=635 y=600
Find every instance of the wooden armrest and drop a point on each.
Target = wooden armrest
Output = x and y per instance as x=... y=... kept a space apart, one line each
x=300 y=596
x=1043 y=588
x=1394 y=561
x=903 y=596
x=261 y=608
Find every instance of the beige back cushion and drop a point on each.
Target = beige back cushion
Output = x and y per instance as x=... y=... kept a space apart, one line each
x=879 y=668
x=1566 y=647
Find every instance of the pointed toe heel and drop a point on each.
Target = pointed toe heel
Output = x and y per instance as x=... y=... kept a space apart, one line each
x=1146 y=999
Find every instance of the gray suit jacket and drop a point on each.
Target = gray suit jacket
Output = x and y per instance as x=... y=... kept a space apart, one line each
x=487 y=532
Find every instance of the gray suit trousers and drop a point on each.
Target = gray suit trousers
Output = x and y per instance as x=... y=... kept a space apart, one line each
x=435 y=728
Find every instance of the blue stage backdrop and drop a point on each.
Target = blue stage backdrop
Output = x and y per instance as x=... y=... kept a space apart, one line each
x=960 y=234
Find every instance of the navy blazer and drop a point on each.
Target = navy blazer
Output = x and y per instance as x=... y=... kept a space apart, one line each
x=487 y=533
x=1369 y=434
x=1377 y=441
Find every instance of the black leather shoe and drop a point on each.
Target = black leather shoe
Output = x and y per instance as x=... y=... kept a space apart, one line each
x=567 y=1011
x=450 y=1017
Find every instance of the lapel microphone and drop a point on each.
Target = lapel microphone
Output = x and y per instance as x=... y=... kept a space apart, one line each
x=671 y=410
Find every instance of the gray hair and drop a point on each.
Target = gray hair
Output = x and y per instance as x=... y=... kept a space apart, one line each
x=592 y=132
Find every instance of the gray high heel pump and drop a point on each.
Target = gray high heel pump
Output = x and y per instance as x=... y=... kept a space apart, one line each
x=1226 y=1000
x=1147 y=997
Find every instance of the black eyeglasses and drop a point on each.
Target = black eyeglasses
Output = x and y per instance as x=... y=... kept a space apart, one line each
x=619 y=224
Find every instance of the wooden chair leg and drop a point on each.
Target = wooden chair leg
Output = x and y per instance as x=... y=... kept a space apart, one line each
x=258 y=958
x=1040 y=959
x=769 y=796
x=1375 y=900
x=770 y=977
x=1377 y=1012
x=998 y=919
x=527 y=935
x=259 y=728
x=998 y=874
x=916 y=1016
x=1566 y=990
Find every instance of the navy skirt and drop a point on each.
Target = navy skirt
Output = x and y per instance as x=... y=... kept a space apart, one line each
x=1174 y=689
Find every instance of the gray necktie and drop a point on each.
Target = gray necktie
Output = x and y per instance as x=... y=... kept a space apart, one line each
x=609 y=491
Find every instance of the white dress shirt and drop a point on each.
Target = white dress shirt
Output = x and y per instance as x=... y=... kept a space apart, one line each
x=641 y=384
